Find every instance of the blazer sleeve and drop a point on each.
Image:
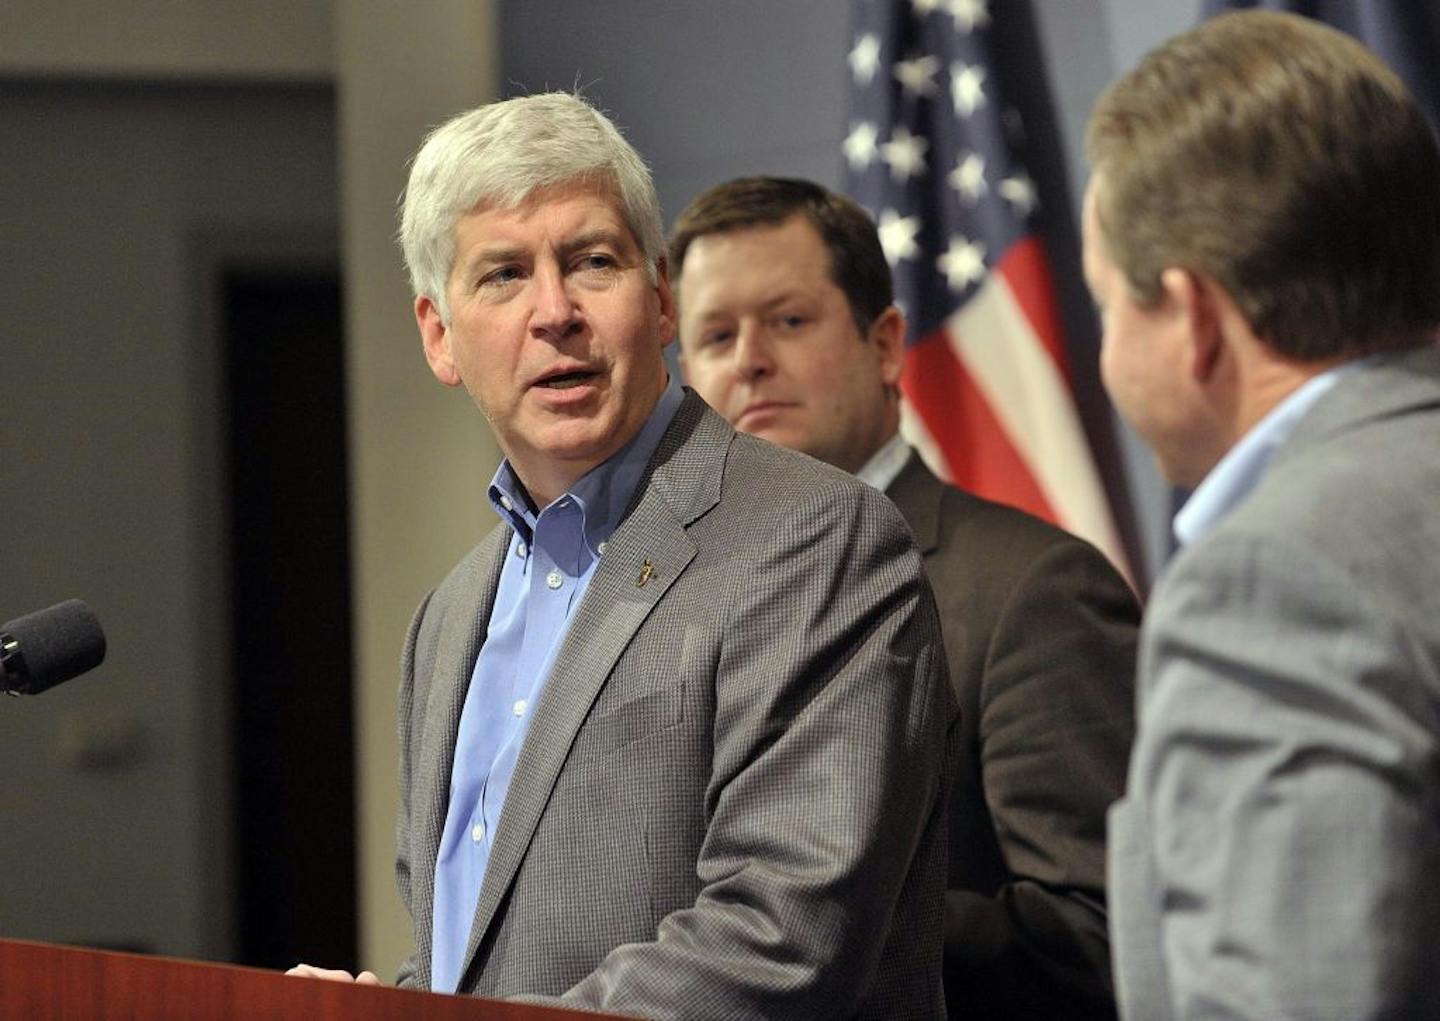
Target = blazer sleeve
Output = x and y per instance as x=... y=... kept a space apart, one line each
x=1055 y=727
x=408 y=976
x=1289 y=765
x=831 y=725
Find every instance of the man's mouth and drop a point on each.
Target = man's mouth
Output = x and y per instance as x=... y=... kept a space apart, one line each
x=760 y=412
x=567 y=380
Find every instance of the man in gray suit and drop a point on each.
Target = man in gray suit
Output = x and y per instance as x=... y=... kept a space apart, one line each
x=673 y=735
x=1262 y=233
x=787 y=327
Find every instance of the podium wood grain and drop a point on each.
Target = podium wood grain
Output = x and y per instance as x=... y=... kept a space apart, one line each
x=42 y=982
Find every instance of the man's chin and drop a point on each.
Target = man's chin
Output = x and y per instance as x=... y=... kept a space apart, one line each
x=782 y=436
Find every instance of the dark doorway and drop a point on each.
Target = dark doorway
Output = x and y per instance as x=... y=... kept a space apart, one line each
x=290 y=599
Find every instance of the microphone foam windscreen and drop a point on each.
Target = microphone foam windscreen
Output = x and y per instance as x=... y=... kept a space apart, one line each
x=58 y=643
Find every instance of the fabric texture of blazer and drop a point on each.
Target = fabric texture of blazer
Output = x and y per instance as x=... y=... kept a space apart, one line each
x=1040 y=633
x=731 y=801
x=1278 y=850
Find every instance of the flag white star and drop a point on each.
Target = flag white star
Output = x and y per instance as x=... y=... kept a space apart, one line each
x=963 y=263
x=968 y=177
x=905 y=153
x=1019 y=191
x=859 y=145
x=897 y=236
x=967 y=87
x=864 y=59
x=968 y=14
x=917 y=75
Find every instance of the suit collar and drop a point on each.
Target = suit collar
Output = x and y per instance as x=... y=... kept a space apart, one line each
x=1391 y=384
x=643 y=558
x=1236 y=475
x=918 y=495
x=1342 y=398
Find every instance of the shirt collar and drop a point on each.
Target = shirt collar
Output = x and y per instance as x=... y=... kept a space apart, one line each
x=603 y=494
x=1239 y=471
x=885 y=463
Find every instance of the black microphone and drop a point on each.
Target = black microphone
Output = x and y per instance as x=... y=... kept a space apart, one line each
x=41 y=649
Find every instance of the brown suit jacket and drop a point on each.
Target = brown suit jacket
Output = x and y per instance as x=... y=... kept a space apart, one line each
x=1040 y=633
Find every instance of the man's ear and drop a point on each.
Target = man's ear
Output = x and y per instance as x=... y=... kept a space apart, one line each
x=887 y=334
x=435 y=336
x=669 y=307
x=1197 y=303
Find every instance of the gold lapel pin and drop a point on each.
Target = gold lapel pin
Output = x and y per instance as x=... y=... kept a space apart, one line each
x=646 y=570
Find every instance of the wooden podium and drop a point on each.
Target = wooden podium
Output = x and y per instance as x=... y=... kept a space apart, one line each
x=41 y=982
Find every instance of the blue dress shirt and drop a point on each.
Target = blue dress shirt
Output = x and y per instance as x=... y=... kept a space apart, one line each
x=552 y=556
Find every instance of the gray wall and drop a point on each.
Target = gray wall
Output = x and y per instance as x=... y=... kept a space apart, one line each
x=117 y=201
x=706 y=91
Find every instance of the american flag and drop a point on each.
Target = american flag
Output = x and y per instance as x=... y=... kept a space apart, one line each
x=937 y=151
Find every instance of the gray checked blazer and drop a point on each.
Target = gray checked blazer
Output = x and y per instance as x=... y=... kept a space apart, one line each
x=1278 y=851
x=731 y=802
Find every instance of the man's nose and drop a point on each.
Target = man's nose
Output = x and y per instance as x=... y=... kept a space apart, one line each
x=555 y=314
x=753 y=357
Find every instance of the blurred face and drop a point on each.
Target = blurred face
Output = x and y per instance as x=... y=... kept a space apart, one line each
x=555 y=330
x=768 y=340
x=1145 y=361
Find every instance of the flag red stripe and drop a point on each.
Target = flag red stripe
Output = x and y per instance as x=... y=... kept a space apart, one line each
x=1026 y=268
x=980 y=456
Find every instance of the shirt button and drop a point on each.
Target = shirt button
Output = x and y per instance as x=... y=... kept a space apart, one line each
x=477 y=832
x=520 y=550
x=600 y=549
x=505 y=502
x=554 y=579
x=519 y=708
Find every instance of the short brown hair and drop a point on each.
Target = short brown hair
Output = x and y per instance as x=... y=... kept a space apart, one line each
x=857 y=262
x=1285 y=161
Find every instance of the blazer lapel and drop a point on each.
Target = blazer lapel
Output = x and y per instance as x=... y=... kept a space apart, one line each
x=461 y=633
x=682 y=483
x=917 y=494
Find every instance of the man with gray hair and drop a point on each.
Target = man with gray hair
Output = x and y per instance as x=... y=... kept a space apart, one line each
x=672 y=736
x=1262 y=234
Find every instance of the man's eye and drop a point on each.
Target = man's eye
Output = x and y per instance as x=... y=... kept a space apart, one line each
x=499 y=277
x=715 y=338
x=595 y=261
x=790 y=322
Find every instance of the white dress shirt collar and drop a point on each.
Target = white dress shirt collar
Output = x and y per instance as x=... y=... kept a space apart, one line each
x=885 y=463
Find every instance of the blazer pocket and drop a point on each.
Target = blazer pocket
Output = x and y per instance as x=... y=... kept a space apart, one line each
x=632 y=721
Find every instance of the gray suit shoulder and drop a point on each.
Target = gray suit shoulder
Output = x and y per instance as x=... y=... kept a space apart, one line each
x=1356 y=485
x=780 y=480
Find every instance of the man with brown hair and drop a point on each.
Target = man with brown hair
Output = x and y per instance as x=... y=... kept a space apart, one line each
x=788 y=328
x=1262 y=234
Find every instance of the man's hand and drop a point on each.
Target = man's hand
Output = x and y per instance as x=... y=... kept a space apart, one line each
x=365 y=978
